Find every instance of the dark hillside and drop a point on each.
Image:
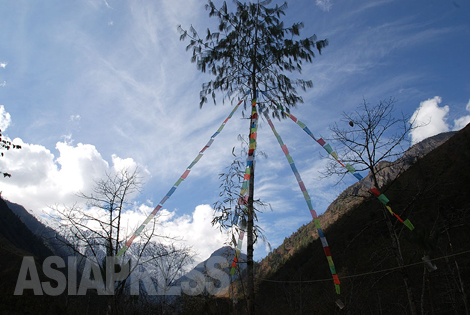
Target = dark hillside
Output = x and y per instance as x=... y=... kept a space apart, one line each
x=49 y=236
x=434 y=193
x=347 y=200
x=17 y=241
x=13 y=230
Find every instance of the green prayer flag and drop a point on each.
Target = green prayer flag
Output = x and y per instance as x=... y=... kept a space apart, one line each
x=337 y=289
x=306 y=196
x=317 y=223
x=139 y=230
x=328 y=148
x=309 y=203
x=333 y=270
x=350 y=168
x=122 y=251
x=179 y=181
x=383 y=199
x=409 y=224
x=149 y=218
x=301 y=124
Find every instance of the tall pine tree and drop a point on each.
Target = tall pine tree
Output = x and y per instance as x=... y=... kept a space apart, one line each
x=252 y=50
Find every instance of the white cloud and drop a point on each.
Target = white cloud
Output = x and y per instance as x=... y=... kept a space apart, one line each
x=196 y=230
x=141 y=94
x=430 y=119
x=325 y=5
x=107 y=4
x=3 y=65
x=78 y=165
x=120 y=164
x=5 y=118
x=75 y=117
x=39 y=179
x=462 y=121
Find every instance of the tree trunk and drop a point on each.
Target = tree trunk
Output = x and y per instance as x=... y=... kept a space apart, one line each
x=250 y=241
x=399 y=257
x=397 y=251
x=251 y=189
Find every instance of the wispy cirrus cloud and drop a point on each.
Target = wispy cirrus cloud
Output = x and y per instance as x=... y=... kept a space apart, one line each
x=150 y=98
x=325 y=5
x=137 y=94
x=5 y=118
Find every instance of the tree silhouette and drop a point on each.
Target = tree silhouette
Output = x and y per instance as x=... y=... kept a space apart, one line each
x=97 y=231
x=252 y=50
x=373 y=136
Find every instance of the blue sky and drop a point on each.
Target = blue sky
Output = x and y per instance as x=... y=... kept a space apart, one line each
x=88 y=86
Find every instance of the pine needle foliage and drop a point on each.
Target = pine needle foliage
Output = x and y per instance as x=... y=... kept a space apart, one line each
x=252 y=49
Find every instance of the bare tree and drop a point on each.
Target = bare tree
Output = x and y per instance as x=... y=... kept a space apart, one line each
x=165 y=264
x=97 y=231
x=372 y=135
x=369 y=136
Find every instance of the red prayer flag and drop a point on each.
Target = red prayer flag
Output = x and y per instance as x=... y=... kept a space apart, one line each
x=129 y=242
x=335 y=278
x=185 y=174
x=375 y=191
x=399 y=219
x=284 y=149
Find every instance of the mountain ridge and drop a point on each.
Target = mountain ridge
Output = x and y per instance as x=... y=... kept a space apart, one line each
x=349 y=198
x=433 y=194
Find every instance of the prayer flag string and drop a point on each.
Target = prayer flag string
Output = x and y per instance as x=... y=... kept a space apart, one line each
x=381 y=197
x=316 y=221
x=173 y=188
x=250 y=164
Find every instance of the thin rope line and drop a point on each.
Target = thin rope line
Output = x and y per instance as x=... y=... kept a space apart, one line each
x=363 y=274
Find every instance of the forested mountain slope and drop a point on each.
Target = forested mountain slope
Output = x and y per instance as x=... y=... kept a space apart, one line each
x=434 y=195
